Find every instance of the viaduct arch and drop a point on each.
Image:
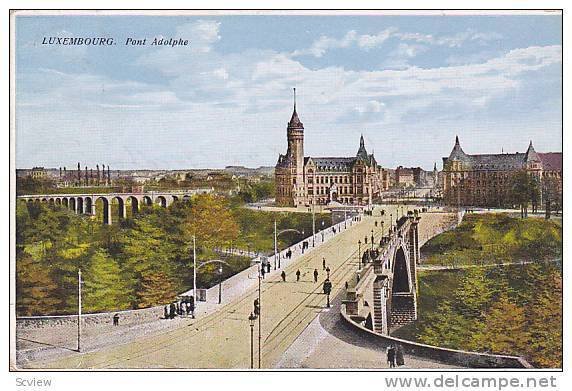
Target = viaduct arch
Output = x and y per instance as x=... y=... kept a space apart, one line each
x=86 y=203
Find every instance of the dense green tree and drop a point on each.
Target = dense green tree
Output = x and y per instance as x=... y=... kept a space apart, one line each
x=545 y=323
x=104 y=288
x=446 y=327
x=505 y=329
x=35 y=288
x=156 y=288
x=211 y=222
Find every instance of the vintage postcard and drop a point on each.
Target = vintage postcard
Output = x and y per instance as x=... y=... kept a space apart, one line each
x=274 y=190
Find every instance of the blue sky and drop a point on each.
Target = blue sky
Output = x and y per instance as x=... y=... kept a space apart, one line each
x=409 y=84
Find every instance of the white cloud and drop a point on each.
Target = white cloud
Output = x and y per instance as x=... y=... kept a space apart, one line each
x=368 y=42
x=245 y=97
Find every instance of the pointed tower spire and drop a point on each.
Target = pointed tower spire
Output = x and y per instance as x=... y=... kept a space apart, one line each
x=294 y=120
x=531 y=154
x=294 y=99
x=362 y=152
x=457 y=153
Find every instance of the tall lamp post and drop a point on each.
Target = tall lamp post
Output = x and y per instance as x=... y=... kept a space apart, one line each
x=372 y=240
x=219 y=284
x=259 y=311
x=194 y=273
x=359 y=254
x=79 y=310
x=251 y=319
x=391 y=221
x=313 y=226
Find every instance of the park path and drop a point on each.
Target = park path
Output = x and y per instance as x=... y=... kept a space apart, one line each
x=481 y=266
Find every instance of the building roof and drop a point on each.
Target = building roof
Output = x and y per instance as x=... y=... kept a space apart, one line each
x=551 y=161
x=505 y=161
x=331 y=163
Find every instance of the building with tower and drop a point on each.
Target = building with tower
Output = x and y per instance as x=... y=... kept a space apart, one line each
x=307 y=180
x=486 y=180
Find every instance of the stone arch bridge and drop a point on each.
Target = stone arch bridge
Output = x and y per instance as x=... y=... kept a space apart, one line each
x=86 y=203
x=389 y=282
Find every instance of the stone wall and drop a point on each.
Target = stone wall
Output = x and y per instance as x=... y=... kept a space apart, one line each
x=125 y=318
x=459 y=358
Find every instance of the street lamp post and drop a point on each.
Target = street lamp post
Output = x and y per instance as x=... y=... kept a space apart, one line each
x=313 y=226
x=322 y=231
x=194 y=273
x=372 y=240
x=275 y=244
x=220 y=284
x=79 y=310
x=359 y=254
x=391 y=221
x=251 y=319
x=259 y=312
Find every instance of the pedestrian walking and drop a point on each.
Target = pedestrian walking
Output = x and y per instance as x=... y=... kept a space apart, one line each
x=116 y=320
x=399 y=356
x=347 y=285
x=315 y=275
x=328 y=271
x=263 y=271
x=391 y=356
x=268 y=267
x=166 y=314
x=323 y=263
x=283 y=274
x=172 y=311
x=298 y=275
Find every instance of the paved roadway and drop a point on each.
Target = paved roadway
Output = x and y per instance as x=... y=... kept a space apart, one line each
x=222 y=339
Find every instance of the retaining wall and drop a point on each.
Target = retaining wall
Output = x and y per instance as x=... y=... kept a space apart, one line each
x=125 y=317
x=459 y=358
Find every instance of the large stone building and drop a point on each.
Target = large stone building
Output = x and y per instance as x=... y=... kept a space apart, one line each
x=308 y=180
x=486 y=180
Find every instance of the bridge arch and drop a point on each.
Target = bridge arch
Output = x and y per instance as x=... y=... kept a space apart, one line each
x=147 y=201
x=134 y=204
x=401 y=275
x=65 y=202
x=161 y=201
x=51 y=202
x=117 y=200
x=79 y=203
x=72 y=204
x=88 y=208
x=105 y=210
x=58 y=201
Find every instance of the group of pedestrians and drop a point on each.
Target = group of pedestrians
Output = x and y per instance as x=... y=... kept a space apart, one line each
x=179 y=308
x=395 y=356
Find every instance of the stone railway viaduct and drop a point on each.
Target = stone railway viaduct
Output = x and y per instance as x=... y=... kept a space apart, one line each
x=86 y=203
